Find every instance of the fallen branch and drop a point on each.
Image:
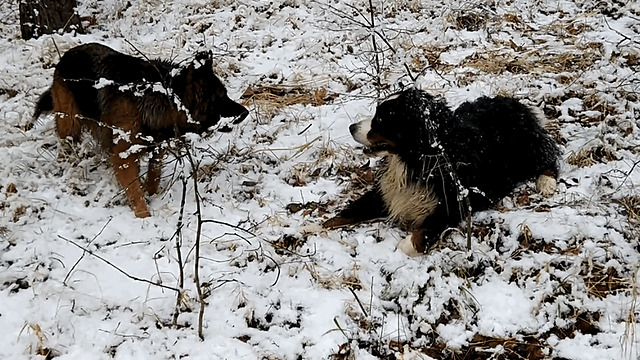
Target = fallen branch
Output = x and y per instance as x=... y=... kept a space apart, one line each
x=135 y=278
x=82 y=256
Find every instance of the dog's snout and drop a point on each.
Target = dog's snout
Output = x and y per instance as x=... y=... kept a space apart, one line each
x=241 y=117
x=231 y=109
x=360 y=130
x=353 y=128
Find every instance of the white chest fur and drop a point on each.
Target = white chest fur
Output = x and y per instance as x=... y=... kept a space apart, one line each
x=407 y=202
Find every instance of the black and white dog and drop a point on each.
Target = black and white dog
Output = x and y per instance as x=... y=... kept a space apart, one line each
x=440 y=164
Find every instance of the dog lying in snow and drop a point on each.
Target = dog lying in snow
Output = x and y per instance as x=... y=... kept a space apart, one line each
x=439 y=164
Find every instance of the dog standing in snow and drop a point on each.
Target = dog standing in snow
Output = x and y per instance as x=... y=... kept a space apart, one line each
x=130 y=105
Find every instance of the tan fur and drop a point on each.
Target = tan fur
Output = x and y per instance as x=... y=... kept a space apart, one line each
x=124 y=114
x=66 y=110
x=407 y=203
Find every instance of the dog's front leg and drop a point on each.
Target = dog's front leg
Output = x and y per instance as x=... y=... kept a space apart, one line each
x=413 y=244
x=368 y=207
x=428 y=234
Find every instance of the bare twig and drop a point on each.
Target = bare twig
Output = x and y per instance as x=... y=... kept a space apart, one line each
x=229 y=225
x=369 y=23
x=373 y=40
x=394 y=51
x=627 y=174
x=135 y=278
x=305 y=129
x=364 y=311
x=468 y=203
x=83 y=253
x=137 y=50
x=196 y=272
x=178 y=236
x=56 y=46
x=275 y=263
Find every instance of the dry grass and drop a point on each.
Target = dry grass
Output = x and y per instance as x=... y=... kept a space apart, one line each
x=516 y=21
x=568 y=62
x=11 y=189
x=484 y=347
x=595 y=108
x=526 y=236
x=9 y=92
x=431 y=54
x=632 y=207
x=594 y=102
x=602 y=281
x=288 y=244
x=336 y=280
x=268 y=100
x=39 y=348
x=632 y=58
x=586 y=157
x=286 y=95
x=499 y=61
x=468 y=20
x=527 y=348
x=18 y=212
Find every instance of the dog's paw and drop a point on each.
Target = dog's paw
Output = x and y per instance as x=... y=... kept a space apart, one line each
x=312 y=229
x=336 y=222
x=406 y=246
x=546 y=185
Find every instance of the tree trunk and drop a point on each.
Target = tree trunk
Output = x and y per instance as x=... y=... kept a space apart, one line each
x=38 y=17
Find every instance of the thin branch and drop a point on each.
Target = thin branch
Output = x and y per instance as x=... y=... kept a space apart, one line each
x=56 y=46
x=375 y=45
x=343 y=14
x=82 y=256
x=137 y=50
x=277 y=266
x=394 y=51
x=364 y=311
x=229 y=225
x=135 y=278
x=178 y=236
x=468 y=203
x=625 y=37
x=628 y=173
x=196 y=272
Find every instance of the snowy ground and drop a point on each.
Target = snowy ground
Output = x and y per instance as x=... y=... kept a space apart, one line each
x=551 y=278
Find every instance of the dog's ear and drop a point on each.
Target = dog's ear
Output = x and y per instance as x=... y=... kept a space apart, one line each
x=204 y=57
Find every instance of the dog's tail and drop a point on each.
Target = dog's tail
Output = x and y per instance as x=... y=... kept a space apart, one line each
x=44 y=105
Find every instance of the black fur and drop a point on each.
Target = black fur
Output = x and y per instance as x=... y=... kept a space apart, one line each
x=44 y=104
x=479 y=154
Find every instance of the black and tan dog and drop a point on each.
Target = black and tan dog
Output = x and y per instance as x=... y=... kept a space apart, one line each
x=438 y=162
x=130 y=105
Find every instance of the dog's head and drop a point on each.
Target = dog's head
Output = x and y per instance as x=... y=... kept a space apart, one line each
x=404 y=122
x=204 y=95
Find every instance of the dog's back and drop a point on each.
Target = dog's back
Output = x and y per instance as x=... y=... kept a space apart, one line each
x=88 y=68
x=510 y=145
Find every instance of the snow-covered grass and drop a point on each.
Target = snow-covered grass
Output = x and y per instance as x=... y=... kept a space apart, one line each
x=551 y=278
